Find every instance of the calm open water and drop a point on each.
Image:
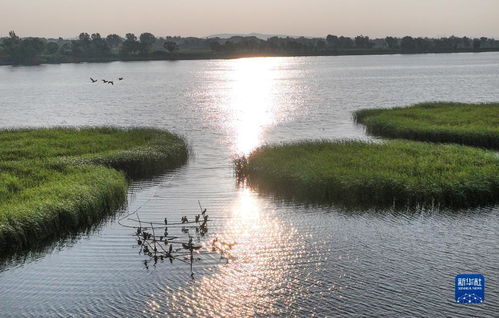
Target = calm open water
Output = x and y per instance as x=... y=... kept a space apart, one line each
x=290 y=259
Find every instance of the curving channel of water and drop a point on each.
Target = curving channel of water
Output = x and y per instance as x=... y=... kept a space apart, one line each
x=291 y=259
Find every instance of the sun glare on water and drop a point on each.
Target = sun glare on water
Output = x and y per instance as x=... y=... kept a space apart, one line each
x=262 y=260
x=252 y=106
x=266 y=247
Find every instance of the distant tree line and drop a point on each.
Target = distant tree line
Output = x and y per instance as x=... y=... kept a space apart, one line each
x=94 y=47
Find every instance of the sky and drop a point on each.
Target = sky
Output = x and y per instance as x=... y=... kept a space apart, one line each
x=375 y=18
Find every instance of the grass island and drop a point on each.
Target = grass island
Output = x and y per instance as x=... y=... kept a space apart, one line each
x=393 y=173
x=57 y=179
x=467 y=124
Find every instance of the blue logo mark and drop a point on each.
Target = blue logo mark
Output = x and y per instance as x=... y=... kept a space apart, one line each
x=470 y=288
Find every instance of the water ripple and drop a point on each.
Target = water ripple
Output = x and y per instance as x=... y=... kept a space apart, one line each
x=290 y=259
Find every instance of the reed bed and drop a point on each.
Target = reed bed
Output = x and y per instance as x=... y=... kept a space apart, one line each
x=443 y=122
x=395 y=173
x=59 y=179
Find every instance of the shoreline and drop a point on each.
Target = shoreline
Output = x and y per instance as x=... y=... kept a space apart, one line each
x=397 y=174
x=228 y=56
x=48 y=191
x=438 y=122
x=440 y=154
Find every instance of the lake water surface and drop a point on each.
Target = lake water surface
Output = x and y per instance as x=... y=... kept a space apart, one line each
x=291 y=259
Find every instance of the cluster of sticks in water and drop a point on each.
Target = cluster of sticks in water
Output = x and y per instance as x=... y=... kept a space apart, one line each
x=156 y=242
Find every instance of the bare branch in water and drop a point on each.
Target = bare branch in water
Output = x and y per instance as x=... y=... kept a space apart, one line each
x=161 y=247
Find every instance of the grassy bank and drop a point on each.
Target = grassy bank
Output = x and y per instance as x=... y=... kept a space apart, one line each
x=467 y=124
x=399 y=173
x=54 y=180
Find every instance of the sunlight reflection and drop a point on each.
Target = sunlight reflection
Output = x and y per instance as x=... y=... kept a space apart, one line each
x=260 y=279
x=252 y=104
x=247 y=208
x=263 y=275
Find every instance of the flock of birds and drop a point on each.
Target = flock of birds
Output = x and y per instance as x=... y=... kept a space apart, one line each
x=106 y=81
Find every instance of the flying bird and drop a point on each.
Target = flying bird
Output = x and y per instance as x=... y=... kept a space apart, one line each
x=93 y=80
x=104 y=81
x=120 y=79
x=111 y=82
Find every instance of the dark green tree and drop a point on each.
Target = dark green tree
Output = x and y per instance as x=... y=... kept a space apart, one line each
x=25 y=51
x=476 y=44
x=99 y=46
x=130 y=46
x=213 y=44
x=320 y=45
x=146 y=42
x=11 y=44
x=362 y=42
x=113 y=40
x=423 y=44
x=170 y=46
x=484 y=42
x=332 y=41
x=407 y=43
x=95 y=37
x=51 y=48
x=392 y=43
x=467 y=42
x=345 y=42
x=84 y=38
x=81 y=46
x=66 y=49
x=274 y=43
x=30 y=50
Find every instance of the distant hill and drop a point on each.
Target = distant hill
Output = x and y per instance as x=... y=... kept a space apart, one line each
x=258 y=35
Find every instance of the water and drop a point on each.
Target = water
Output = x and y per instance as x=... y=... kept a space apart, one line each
x=290 y=259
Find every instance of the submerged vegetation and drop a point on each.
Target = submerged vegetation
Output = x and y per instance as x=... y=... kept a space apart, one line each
x=468 y=124
x=177 y=240
x=397 y=173
x=54 y=180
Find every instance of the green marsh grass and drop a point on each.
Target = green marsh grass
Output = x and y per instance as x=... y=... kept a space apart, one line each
x=58 y=179
x=443 y=122
x=395 y=173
